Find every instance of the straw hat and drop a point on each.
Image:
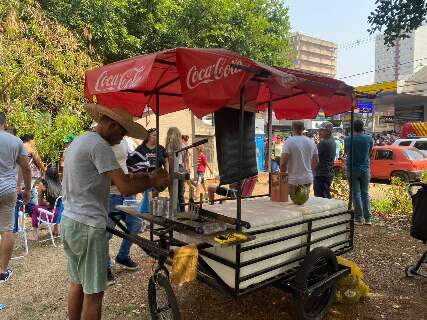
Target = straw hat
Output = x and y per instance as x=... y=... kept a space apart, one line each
x=121 y=116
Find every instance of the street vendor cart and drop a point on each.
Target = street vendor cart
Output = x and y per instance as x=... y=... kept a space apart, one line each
x=282 y=244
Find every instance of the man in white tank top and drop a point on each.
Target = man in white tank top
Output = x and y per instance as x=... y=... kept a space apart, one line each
x=299 y=157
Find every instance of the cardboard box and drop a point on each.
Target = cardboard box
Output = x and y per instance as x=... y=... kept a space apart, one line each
x=279 y=187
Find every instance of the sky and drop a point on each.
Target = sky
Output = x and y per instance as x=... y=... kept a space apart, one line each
x=343 y=22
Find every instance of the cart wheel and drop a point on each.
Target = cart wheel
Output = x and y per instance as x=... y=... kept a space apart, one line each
x=161 y=299
x=318 y=265
x=410 y=271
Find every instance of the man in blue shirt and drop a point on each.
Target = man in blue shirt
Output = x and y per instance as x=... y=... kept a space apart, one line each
x=362 y=147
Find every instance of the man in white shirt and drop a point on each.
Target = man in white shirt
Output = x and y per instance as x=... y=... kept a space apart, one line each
x=133 y=224
x=299 y=157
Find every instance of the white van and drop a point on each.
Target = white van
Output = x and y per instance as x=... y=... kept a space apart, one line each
x=419 y=143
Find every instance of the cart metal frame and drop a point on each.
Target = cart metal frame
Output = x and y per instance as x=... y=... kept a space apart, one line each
x=161 y=240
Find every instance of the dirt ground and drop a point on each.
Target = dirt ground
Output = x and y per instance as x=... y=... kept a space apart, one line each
x=38 y=288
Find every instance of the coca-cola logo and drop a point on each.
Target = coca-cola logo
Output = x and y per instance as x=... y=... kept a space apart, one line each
x=119 y=81
x=197 y=76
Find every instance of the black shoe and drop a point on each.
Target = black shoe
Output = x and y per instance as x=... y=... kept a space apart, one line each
x=128 y=263
x=5 y=276
x=110 y=278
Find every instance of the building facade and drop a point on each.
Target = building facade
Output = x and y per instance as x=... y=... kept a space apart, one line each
x=402 y=60
x=315 y=55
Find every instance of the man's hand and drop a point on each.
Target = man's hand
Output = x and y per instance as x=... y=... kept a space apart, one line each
x=26 y=196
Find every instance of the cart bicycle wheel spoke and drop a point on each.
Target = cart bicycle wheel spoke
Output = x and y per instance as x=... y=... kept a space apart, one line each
x=162 y=300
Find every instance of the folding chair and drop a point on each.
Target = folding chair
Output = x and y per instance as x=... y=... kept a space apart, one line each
x=46 y=219
x=20 y=229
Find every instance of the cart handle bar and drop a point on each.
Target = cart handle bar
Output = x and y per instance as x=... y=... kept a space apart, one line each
x=195 y=144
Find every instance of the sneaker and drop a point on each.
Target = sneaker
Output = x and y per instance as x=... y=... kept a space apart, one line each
x=368 y=223
x=110 y=278
x=358 y=223
x=5 y=276
x=127 y=263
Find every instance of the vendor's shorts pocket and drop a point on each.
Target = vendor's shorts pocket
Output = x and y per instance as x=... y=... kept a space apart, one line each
x=7 y=211
x=86 y=249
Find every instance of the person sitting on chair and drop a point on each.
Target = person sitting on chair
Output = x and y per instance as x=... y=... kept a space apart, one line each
x=48 y=191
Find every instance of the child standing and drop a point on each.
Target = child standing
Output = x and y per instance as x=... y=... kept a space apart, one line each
x=202 y=163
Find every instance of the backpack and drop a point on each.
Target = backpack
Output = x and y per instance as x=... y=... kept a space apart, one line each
x=419 y=217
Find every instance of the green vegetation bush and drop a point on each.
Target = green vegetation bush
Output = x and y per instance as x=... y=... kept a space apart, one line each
x=396 y=202
x=49 y=131
x=42 y=68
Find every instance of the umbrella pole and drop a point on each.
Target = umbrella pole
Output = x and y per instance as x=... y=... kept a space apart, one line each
x=350 y=178
x=157 y=113
x=239 y=193
x=269 y=140
x=157 y=127
x=242 y=133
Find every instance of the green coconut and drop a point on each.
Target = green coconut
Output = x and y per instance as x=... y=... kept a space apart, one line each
x=299 y=194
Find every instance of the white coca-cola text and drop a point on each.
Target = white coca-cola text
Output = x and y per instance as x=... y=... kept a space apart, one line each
x=219 y=70
x=119 y=81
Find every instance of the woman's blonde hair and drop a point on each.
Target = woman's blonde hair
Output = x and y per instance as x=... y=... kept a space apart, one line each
x=173 y=140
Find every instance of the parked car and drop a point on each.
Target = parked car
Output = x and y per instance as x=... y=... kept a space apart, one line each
x=406 y=163
x=419 y=143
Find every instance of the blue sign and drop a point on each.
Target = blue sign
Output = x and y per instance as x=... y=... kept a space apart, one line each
x=259 y=140
x=366 y=106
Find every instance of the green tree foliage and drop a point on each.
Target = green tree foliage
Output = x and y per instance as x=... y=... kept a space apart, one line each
x=41 y=75
x=49 y=130
x=397 y=17
x=118 y=29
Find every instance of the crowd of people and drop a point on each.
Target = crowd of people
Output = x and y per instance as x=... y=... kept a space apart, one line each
x=307 y=163
x=104 y=168
x=100 y=170
x=385 y=138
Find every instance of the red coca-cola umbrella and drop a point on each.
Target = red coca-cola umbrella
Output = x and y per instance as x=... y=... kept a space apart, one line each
x=205 y=80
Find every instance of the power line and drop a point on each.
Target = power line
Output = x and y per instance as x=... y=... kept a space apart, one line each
x=381 y=68
x=356 y=43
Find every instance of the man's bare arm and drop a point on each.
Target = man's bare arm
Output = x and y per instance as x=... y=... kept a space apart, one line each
x=133 y=184
x=314 y=162
x=284 y=162
x=26 y=175
x=38 y=161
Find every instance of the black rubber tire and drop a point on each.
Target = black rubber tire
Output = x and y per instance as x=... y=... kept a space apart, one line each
x=155 y=284
x=317 y=265
x=400 y=174
x=409 y=271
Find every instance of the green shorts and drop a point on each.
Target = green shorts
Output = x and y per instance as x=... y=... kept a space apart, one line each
x=86 y=249
x=7 y=208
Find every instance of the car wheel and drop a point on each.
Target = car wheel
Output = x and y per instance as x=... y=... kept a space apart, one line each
x=401 y=175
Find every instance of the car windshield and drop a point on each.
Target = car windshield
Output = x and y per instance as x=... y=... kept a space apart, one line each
x=414 y=155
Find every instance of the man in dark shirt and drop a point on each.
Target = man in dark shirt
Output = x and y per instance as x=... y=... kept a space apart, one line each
x=324 y=173
x=362 y=148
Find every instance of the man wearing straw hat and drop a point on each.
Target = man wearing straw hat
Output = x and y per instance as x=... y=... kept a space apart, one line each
x=89 y=168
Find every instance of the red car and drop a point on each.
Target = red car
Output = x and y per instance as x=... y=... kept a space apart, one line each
x=406 y=163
